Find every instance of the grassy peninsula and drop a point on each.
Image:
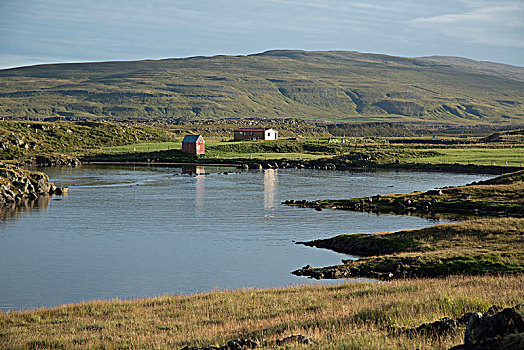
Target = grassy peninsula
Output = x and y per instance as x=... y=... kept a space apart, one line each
x=492 y=244
x=473 y=247
x=501 y=196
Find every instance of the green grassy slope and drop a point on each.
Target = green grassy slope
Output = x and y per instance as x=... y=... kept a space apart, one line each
x=334 y=85
x=22 y=140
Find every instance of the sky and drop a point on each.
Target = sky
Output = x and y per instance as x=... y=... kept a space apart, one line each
x=52 y=31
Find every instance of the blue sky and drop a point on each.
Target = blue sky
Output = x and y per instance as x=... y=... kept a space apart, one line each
x=45 y=31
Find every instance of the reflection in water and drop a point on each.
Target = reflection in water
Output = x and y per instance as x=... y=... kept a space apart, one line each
x=193 y=169
x=126 y=242
x=200 y=170
x=270 y=189
x=10 y=211
x=200 y=189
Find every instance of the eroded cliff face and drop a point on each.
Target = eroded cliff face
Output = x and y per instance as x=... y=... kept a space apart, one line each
x=18 y=185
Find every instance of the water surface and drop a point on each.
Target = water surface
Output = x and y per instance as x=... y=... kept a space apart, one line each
x=127 y=232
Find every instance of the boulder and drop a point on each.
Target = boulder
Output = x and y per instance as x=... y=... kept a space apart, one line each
x=61 y=190
x=42 y=186
x=434 y=192
x=495 y=329
x=438 y=327
x=294 y=339
x=508 y=321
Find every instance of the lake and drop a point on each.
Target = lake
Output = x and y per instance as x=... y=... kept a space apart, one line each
x=127 y=232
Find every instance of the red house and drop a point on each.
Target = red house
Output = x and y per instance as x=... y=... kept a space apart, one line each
x=193 y=144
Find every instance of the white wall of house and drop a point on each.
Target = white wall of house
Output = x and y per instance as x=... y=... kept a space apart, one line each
x=270 y=134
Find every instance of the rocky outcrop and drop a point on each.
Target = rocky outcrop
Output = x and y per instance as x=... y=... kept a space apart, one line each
x=242 y=344
x=61 y=160
x=496 y=329
x=18 y=185
x=377 y=268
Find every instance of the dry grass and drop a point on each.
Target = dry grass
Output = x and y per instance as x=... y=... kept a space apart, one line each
x=348 y=316
x=471 y=237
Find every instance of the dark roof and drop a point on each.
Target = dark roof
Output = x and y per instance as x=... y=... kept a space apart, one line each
x=191 y=138
x=248 y=129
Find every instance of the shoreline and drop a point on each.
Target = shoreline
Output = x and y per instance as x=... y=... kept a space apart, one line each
x=357 y=315
x=488 y=240
x=322 y=164
x=161 y=163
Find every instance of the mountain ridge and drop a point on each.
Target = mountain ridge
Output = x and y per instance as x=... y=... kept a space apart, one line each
x=325 y=85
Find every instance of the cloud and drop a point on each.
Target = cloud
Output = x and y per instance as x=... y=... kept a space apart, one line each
x=122 y=29
x=496 y=25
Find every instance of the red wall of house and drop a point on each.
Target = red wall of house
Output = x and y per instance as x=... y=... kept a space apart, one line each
x=194 y=148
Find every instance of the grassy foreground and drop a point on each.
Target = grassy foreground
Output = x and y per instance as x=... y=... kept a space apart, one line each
x=347 y=316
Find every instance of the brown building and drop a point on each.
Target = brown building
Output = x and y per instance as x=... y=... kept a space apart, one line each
x=193 y=144
x=255 y=134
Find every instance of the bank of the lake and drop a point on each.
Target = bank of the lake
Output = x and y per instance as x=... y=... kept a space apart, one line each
x=355 y=160
x=472 y=247
x=491 y=245
x=349 y=316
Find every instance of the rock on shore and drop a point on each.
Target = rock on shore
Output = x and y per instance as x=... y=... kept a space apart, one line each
x=18 y=185
x=58 y=160
x=502 y=329
x=371 y=160
x=497 y=329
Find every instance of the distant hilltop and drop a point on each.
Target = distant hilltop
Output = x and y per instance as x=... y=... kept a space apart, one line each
x=321 y=85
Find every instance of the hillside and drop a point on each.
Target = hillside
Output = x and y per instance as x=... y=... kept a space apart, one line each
x=490 y=67
x=334 y=85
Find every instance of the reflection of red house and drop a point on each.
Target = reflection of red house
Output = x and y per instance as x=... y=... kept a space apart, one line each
x=193 y=144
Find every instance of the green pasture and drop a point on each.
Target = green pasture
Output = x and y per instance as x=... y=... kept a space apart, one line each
x=314 y=149
x=483 y=156
x=144 y=147
x=211 y=152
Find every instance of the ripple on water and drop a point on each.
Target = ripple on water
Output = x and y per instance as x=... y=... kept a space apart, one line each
x=140 y=231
